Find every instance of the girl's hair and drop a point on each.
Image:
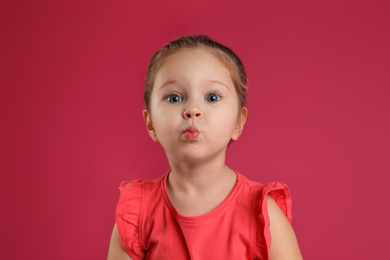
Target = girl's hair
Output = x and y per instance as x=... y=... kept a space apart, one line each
x=223 y=53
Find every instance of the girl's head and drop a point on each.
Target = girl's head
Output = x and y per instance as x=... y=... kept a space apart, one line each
x=195 y=95
x=225 y=55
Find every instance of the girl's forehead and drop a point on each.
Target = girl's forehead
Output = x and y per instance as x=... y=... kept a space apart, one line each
x=192 y=59
x=184 y=54
x=195 y=71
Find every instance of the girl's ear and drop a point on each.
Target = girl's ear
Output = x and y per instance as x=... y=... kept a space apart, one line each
x=240 y=123
x=149 y=125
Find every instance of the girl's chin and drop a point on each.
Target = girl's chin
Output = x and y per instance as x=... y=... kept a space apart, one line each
x=194 y=155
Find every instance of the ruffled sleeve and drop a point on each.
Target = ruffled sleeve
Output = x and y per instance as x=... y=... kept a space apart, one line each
x=127 y=217
x=281 y=194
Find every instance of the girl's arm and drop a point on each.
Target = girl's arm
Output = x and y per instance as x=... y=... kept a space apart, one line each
x=284 y=244
x=116 y=251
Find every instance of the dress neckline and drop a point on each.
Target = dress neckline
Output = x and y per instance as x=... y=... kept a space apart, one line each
x=201 y=218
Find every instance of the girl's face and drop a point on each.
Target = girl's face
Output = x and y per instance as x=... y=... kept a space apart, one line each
x=194 y=107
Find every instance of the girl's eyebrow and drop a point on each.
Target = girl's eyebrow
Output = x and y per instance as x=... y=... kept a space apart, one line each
x=212 y=81
x=220 y=83
x=167 y=83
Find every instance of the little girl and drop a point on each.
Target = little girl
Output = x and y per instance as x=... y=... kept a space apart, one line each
x=195 y=95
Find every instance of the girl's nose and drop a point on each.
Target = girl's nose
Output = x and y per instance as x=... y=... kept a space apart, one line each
x=192 y=113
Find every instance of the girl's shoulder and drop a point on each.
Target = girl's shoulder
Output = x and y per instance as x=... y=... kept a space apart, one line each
x=265 y=188
x=278 y=191
x=135 y=196
x=268 y=198
x=138 y=184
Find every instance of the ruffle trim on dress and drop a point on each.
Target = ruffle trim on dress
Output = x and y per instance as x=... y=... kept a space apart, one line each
x=281 y=194
x=127 y=217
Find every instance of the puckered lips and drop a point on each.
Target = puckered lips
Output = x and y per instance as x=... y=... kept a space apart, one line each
x=191 y=133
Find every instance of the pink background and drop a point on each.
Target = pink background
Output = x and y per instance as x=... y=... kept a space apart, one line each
x=71 y=100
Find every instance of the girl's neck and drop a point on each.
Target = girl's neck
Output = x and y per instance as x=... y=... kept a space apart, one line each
x=200 y=178
x=195 y=190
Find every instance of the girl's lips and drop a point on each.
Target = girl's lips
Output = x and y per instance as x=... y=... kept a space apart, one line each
x=191 y=133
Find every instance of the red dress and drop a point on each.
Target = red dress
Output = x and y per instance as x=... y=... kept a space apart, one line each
x=151 y=228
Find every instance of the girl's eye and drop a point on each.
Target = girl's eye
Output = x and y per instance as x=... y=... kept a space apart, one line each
x=174 y=98
x=213 y=97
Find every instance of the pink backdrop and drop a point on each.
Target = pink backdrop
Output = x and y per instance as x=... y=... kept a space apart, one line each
x=72 y=127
